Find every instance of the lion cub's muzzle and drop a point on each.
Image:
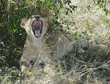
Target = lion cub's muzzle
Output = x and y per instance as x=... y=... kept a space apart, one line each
x=37 y=27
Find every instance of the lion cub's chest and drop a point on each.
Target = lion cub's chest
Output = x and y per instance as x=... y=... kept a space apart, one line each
x=36 y=50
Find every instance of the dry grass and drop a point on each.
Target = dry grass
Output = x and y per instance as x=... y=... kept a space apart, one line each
x=88 y=61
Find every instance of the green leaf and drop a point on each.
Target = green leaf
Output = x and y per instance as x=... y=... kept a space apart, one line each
x=1 y=25
x=79 y=35
x=61 y=5
x=106 y=13
x=10 y=31
x=76 y=38
x=67 y=9
x=56 y=17
x=66 y=12
x=87 y=24
x=53 y=20
x=107 y=21
x=15 y=30
x=98 y=2
x=91 y=31
x=75 y=33
x=84 y=32
x=44 y=4
x=70 y=6
x=70 y=11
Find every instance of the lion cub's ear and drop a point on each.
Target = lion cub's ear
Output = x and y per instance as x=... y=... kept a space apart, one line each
x=23 y=22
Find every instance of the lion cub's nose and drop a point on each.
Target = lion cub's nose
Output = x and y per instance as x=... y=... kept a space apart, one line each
x=37 y=17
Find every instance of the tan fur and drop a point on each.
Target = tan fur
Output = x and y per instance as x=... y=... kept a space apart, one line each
x=43 y=49
x=34 y=47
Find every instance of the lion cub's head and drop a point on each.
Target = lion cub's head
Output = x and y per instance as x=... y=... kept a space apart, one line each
x=35 y=26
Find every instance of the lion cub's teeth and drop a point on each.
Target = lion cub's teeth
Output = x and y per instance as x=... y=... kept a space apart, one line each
x=37 y=21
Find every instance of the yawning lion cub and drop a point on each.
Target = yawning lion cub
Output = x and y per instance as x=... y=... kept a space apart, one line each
x=37 y=47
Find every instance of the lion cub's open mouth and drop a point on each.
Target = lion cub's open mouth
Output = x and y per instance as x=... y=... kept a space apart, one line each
x=37 y=28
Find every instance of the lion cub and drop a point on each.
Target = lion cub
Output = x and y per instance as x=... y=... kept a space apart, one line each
x=38 y=48
x=35 y=46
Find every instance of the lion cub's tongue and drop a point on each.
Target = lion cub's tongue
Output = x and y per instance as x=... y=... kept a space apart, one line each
x=37 y=33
